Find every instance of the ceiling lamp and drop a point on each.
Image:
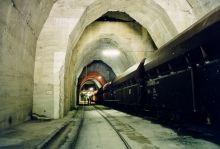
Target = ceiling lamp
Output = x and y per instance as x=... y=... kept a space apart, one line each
x=91 y=88
x=111 y=52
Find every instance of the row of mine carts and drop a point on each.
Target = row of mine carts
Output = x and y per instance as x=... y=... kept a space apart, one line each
x=179 y=82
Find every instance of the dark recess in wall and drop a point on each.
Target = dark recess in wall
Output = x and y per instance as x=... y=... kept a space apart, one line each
x=116 y=16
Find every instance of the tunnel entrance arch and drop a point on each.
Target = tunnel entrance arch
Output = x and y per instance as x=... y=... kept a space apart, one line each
x=88 y=89
x=98 y=72
x=89 y=86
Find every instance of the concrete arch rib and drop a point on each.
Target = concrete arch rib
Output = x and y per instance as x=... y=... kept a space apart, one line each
x=95 y=76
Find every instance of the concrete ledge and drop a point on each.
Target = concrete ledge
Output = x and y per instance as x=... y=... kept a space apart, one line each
x=47 y=139
x=69 y=130
x=74 y=133
x=37 y=134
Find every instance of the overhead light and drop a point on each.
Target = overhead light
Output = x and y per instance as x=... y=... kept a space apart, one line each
x=91 y=88
x=111 y=52
x=99 y=77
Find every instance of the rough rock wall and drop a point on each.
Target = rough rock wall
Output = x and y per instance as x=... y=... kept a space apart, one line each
x=20 y=24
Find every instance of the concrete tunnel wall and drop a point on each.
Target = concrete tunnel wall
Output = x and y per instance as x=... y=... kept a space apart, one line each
x=21 y=23
x=20 y=26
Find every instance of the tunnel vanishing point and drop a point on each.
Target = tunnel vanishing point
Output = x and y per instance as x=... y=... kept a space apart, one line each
x=53 y=51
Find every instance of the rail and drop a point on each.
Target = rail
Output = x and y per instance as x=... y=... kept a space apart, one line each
x=113 y=127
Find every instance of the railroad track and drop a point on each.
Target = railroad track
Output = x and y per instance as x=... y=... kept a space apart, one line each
x=113 y=127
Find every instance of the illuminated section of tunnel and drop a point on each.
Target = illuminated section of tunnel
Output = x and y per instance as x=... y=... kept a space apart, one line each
x=95 y=80
x=89 y=16
x=98 y=72
x=151 y=9
x=111 y=35
x=88 y=89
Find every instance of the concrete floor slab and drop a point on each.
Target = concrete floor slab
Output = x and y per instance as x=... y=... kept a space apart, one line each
x=31 y=133
x=97 y=133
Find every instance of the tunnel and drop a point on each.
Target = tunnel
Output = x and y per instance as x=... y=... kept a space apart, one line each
x=83 y=74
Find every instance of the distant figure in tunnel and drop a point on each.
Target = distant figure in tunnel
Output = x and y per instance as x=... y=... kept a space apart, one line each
x=90 y=100
x=87 y=98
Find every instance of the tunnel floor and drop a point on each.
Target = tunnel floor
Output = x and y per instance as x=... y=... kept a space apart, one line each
x=96 y=132
x=137 y=132
x=99 y=127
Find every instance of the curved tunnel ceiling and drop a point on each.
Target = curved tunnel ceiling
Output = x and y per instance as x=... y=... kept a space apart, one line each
x=97 y=70
x=91 y=81
x=128 y=37
x=143 y=12
x=93 y=51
